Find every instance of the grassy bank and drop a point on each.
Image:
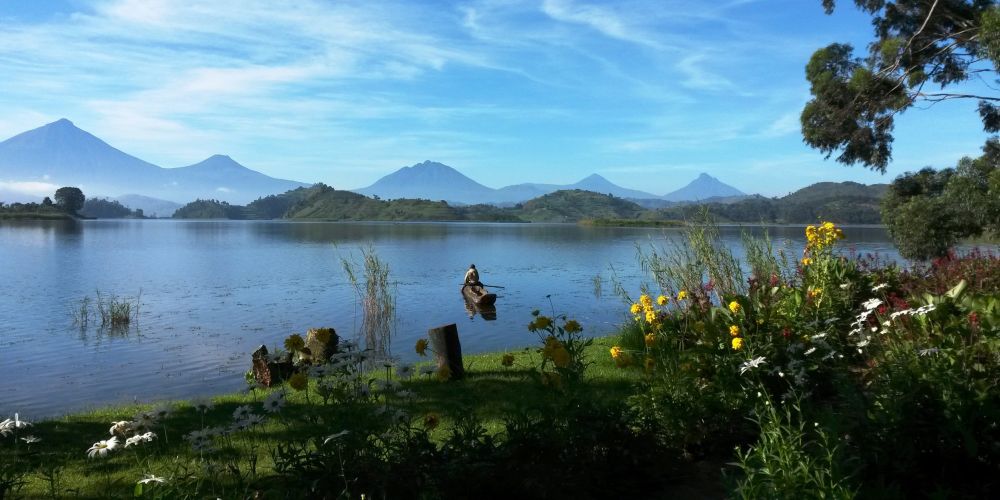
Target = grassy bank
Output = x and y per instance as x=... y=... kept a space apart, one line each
x=631 y=223
x=34 y=216
x=57 y=464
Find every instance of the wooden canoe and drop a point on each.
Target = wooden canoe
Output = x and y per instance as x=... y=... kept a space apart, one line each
x=478 y=295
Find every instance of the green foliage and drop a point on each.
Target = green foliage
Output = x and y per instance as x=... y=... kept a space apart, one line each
x=32 y=211
x=574 y=205
x=103 y=208
x=70 y=199
x=917 y=43
x=563 y=351
x=209 y=209
x=787 y=462
x=927 y=212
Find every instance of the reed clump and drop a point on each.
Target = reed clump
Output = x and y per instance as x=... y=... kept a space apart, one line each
x=114 y=312
x=377 y=296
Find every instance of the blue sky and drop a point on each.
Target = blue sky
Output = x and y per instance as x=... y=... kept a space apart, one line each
x=647 y=93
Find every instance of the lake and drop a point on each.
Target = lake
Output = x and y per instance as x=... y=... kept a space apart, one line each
x=212 y=291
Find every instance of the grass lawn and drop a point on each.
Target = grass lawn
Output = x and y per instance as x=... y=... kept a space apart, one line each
x=60 y=467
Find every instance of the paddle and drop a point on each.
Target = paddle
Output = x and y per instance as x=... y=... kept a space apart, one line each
x=488 y=286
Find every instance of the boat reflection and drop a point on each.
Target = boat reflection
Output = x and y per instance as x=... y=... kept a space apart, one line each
x=488 y=313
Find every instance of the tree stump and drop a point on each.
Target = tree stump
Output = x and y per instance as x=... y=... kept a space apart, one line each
x=447 y=349
x=322 y=343
x=268 y=372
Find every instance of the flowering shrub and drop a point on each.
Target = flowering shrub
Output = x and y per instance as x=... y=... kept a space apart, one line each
x=562 y=349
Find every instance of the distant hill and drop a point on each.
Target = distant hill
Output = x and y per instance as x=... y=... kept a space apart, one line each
x=62 y=154
x=703 y=188
x=103 y=208
x=151 y=207
x=576 y=204
x=845 y=202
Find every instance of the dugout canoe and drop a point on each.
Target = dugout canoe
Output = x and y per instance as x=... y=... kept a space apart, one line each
x=478 y=295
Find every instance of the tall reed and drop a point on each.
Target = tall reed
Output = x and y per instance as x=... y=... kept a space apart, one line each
x=378 y=298
x=116 y=313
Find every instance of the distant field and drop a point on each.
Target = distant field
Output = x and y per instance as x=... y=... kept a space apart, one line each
x=631 y=223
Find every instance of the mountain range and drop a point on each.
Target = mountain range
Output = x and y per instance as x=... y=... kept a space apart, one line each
x=61 y=154
x=436 y=181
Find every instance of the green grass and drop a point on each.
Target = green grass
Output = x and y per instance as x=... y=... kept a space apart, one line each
x=489 y=391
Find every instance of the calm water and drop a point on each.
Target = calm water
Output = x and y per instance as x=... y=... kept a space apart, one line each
x=212 y=291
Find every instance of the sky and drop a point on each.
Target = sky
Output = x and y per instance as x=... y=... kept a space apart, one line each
x=647 y=93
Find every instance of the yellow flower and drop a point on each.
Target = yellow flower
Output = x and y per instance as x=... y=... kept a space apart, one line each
x=443 y=373
x=561 y=357
x=650 y=339
x=507 y=360
x=646 y=301
x=572 y=326
x=734 y=330
x=813 y=293
x=650 y=316
x=734 y=307
x=737 y=344
x=649 y=364
x=421 y=347
x=294 y=342
x=806 y=261
x=616 y=352
x=540 y=323
x=298 y=381
x=431 y=421
x=661 y=300
x=681 y=295
x=635 y=308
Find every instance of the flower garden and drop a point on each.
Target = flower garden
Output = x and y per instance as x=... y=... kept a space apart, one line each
x=812 y=376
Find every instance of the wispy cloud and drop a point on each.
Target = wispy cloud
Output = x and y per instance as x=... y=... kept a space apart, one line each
x=346 y=91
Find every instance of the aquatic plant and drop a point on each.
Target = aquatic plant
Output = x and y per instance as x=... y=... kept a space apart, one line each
x=378 y=298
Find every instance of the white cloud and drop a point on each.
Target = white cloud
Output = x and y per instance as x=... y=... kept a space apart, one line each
x=33 y=188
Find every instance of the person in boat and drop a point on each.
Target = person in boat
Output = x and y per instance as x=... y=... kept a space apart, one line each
x=472 y=276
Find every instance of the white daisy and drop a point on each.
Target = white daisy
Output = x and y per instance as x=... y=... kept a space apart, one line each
x=274 y=401
x=151 y=478
x=879 y=287
x=333 y=437
x=810 y=351
x=102 y=448
x=8 y=426
x=751 y=364
x=120 y=428
x=30 y=439
x=872 y=304
x=242 y=412
x=404 y=370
